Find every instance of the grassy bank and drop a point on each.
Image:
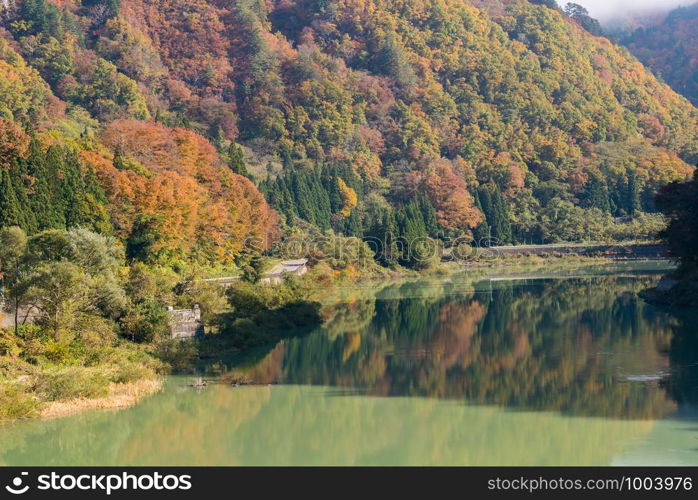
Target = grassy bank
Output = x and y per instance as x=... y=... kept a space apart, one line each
x=42 y=377
x=119 y=395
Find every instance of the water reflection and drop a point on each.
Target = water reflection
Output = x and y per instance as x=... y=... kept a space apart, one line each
x=582 y=346
x=573 y=371
x=301 y=425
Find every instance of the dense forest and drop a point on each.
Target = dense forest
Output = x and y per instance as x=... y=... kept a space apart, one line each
x=668 y=45
x=505 y=121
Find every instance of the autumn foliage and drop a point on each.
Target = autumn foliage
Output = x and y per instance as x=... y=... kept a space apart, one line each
x=344 y=113
x=176 y=174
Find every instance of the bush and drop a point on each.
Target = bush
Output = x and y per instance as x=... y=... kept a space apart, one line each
x=246 y=299
x=16 y=402
x=11 y=368
x=130 y=372
x=72 y=383
x=209 y=296
x=56 y=352
x=95 y=332
x=9 y=345
x=145 y=322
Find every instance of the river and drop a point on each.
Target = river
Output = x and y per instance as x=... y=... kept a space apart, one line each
x=537 y=368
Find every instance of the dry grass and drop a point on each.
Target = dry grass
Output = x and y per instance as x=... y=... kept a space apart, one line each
x=120 y=395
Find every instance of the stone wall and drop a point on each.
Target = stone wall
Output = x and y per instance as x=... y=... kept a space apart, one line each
x=186 y=323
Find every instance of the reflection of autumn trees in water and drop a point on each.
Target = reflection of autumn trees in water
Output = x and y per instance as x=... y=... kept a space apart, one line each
x=565 y=345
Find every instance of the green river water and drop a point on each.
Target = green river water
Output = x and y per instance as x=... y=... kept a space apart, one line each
x=540 y=368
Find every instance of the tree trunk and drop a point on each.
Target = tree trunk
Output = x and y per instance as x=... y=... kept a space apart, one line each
x=16 y=316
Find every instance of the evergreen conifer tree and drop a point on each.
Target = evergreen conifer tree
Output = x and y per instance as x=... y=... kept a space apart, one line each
x=18 y=173
x=10 y=211
x=382 y=236
x=634 y=204
x=55 y=170
x=431 y=223
x=41 y=200
x=496 y=214
x=236 y=160
x=481 y=234
x=72 y=191
x=596 y=194
x=414 y=237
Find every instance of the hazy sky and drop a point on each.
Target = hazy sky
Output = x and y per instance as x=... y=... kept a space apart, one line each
x=605 y=9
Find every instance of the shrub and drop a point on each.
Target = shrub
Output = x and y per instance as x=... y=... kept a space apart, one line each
x=16 y=402
x=72 y=383
x=145 y=322
x=130 y=372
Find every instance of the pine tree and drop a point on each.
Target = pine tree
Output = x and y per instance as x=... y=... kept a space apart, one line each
x=429 y=215
x=236 y=160
x=42 y=17
x=72 y=191
x=481 y=234
x=321 y=199
x=496 y=214
x=596 y=194
x=41 y=199
x=144 y=241
x=303 y=196
x=10 y=211
x=634 y=204
x=383 y=238
x=331 y=185
x=288 y=204
x=501 y=221
x=55 y=170
x=353 y=225
x=414 y=237
x=18 y=173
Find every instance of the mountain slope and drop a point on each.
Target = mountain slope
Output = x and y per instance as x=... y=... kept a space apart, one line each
x=140 y=180
x=669 y=46
x=512 y=114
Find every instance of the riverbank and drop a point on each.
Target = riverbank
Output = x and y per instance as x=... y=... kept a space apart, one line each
x=628 y=250
x=214 y=351
x=120 y=396
x=41 y=379
x=398 y=370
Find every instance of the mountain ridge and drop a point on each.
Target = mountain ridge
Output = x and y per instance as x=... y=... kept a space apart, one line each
x=668 y=44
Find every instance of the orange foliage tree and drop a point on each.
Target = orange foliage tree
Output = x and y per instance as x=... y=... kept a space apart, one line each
x=449 y=194
x=175 y=174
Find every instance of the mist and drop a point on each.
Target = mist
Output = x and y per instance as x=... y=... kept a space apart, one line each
x=606 y=10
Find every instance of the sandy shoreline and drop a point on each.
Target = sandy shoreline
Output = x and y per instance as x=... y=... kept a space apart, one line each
x=120 y=396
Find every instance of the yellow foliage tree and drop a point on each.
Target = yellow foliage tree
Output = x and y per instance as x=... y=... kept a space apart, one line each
x=349 y=198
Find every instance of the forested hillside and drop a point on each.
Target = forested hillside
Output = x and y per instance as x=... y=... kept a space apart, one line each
x=668 y=45
x=80 y=147
x=418 y=118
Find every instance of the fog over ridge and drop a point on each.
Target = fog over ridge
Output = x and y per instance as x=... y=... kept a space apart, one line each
x=605 y=10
